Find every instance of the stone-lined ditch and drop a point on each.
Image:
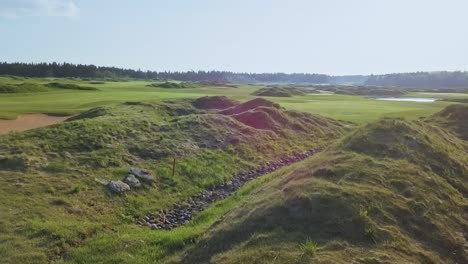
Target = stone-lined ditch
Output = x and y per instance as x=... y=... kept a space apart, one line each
x=183 y=213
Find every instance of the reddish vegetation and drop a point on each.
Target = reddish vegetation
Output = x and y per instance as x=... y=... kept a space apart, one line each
x=263 y=114
x=25 y=122
x=256 y=119
x=240 y=108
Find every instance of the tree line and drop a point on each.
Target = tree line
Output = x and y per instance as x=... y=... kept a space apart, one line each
x=422 y=80
x=66 y=70
x=440 y=80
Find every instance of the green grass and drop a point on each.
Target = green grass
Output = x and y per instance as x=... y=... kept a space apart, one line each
x=56 y=209
x=71 y=86
x=21 y=88
x=174 y=85
x=139 y=245
x=370 y=198
x=360 y=204
x=279 y=91
x=309 y=248
x=356 y=109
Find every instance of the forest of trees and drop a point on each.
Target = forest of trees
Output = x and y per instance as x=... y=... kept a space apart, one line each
x=424 y=80
x=92 y=71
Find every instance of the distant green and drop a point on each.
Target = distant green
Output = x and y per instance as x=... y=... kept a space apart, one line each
x=358 y=109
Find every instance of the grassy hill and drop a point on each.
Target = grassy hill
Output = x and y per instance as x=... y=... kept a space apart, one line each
x=393 y=191
x=56 y=208
x=9 y=85
x=454 y=118
x=279 y=91
x=21 y=88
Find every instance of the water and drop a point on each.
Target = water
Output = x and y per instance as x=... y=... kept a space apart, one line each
x=407 y=99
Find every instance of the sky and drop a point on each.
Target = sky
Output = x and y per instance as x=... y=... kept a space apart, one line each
x=336 y=37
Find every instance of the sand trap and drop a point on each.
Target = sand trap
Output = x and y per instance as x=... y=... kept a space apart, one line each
x=25 y=122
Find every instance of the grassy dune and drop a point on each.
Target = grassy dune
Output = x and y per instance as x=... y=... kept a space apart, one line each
x=55 y=206
x=392 y=192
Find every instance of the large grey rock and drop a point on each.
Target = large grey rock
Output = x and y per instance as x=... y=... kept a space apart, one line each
x=118 y=187
x=142 y=175
x=132 y=181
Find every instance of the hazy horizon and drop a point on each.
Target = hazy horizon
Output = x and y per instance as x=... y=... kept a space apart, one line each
x=327 y=37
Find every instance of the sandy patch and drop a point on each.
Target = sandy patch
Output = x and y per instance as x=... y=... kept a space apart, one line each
x=25 y=122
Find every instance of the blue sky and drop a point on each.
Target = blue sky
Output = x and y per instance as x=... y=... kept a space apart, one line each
x=323 y=36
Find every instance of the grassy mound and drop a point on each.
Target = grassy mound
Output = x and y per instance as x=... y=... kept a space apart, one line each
x=373 y=198
x=174 y=85
x=217 y=84
x=263 y=114
x=249 y=105
x=454 y=117
x=22 y=88
x=214 y=102
x=71 y=86
x=95 y=112
x=56 y=209
x=277 y=91
x=422 y=143
x=181 y=85
x=272 y=118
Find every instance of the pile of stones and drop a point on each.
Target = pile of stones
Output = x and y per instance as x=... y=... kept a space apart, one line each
x=181 y=214
x=134 y=178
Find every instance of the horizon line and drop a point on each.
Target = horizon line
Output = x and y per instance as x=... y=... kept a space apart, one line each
x=236 y=72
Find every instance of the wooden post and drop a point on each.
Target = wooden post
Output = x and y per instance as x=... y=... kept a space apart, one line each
x=173 y=167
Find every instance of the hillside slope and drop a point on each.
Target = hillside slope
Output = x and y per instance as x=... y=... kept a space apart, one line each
x=55 y=203
x=394 y=191
x=454 y=118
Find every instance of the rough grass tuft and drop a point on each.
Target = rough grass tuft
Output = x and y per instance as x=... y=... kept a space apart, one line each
x=309 y=248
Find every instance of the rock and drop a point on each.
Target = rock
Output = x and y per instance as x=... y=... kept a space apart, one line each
x=132 y=181
x=118 y=187
x=142 y=175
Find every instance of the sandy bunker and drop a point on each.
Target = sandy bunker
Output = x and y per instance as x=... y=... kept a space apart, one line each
x=29 y=121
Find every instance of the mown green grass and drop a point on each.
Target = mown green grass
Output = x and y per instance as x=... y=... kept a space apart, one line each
x=356 y=109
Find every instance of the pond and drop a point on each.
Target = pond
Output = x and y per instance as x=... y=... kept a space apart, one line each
x=407 y=99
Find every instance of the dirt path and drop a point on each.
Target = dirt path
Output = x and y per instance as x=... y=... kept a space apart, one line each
x=29 y=121
x=182 y=214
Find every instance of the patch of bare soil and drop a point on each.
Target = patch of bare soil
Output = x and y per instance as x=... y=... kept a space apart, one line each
x=29 y=121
